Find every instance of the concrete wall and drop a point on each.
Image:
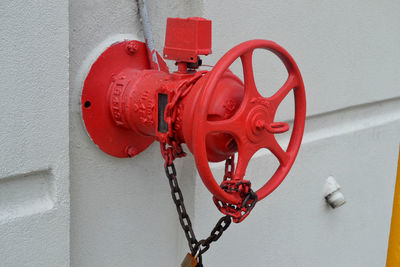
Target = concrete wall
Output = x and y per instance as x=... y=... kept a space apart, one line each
x=348 y=52
x=34 y=140
x=121 y=211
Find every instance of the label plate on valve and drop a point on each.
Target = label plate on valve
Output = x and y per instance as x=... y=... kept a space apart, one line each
x=100 y=122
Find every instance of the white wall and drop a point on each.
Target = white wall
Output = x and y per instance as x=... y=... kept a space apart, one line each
x=34 y=143
x=121 y=211
x=349 y=53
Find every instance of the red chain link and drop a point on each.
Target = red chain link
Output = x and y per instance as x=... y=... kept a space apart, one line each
x=170 y=144
x=171 y=149
x=242 y=187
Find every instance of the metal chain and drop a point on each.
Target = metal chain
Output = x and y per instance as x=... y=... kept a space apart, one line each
x=229 y=168
x=171 y=149
x=177 y=197
x=215 y=234
x=197 y=248
x=239 y=211
x=170 y=116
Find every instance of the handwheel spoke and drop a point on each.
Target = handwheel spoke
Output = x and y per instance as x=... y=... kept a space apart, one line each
x=277 y=150
x=231 y=126
x=246 y=152
x=249 y=82
x=278 y=97
x=217 y=126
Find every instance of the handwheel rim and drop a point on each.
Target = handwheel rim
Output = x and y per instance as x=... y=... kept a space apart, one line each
x=205 y=98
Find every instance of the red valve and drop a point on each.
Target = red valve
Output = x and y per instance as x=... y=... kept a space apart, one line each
x=126 y=106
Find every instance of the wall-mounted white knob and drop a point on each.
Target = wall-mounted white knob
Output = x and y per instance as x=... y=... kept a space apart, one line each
x=332 y=193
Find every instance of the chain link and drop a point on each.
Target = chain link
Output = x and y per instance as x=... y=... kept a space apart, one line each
x=177 y=197
x=240 y=211
x=248 y=197
x=196 y=247
x=229 y=167
x=170 y=149
x=223 y=224
x=170 y=115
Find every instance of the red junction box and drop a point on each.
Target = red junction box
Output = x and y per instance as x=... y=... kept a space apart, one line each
x=185 y=39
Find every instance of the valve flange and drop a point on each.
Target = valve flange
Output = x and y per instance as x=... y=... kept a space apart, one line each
x=102 y=105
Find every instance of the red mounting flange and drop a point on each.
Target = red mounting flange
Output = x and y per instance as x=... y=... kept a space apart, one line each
x=102 y=106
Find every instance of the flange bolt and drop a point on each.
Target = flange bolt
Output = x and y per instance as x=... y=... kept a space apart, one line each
x=132 y=47
x=131 y=151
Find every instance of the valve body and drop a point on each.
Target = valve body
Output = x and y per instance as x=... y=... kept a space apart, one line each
x=137 y=100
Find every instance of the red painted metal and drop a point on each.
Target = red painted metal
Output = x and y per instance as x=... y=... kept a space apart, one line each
x=186 y=39
x=214 y=113
x=247 y=125
x=102 y=106
x=122 y=117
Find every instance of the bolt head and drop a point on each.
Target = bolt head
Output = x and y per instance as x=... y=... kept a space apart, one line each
x=260 y=124
x=132 y=47
x=131 y=151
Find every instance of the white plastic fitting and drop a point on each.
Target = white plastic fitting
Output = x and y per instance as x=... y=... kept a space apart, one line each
x=333 y=196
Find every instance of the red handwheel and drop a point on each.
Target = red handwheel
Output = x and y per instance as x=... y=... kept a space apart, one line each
x=252 y=126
